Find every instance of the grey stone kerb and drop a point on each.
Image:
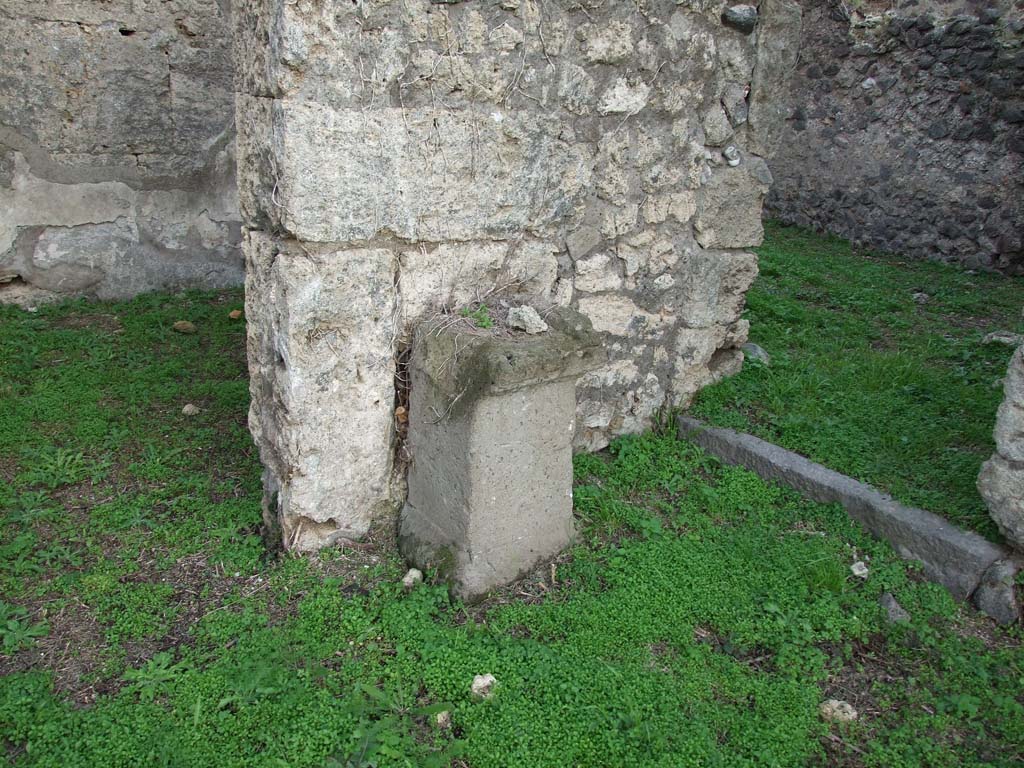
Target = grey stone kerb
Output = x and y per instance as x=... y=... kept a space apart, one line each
x=491 y=422
x=968 y=565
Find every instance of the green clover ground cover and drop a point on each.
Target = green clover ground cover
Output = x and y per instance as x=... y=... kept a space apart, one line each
x=701 y=619
x=867 y=380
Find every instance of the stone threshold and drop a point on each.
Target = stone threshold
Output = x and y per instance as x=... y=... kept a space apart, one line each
x=970 y=566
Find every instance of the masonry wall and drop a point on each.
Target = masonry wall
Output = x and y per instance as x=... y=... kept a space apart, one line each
x=906 y=131
x=398 y=160
x=117 y=172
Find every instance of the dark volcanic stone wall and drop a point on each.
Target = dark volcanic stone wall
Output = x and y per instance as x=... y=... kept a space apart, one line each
x=906 y=134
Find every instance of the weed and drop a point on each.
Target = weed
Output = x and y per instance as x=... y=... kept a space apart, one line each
x=16 y=630
x=480 y=316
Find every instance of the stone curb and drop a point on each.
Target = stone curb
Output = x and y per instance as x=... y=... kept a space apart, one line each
x=968 y=565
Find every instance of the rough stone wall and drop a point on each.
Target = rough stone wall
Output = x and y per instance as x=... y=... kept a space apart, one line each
x=906 y=132
x=400 y=159
x=117 y=172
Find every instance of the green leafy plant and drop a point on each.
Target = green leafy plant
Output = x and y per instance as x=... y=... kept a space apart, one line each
x=385 y=733
x=17 y=631
x=481 y=316
x=158 y=671
x=53 y=466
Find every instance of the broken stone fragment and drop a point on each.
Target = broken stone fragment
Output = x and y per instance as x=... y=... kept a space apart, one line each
x=412 y=577
x=483 y=686
x=837 y=711
x=731 y=155
x=997 y=594
x=859 y=569
x=184 y=326
x=740 y=17
x=443 y=720
x=734 y=100
x=526 y=319
x=189 y=410
x=894 y=612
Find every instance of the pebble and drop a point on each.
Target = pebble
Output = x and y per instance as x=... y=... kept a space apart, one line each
x=412 y=577
x=895 y=612
x=235 y=314
x=837 y=711
x=859 y=569
x=483 y=686
x=731 y=155
x=190 y=410
x=921 y=297
x=184 y=326
x=443 y=719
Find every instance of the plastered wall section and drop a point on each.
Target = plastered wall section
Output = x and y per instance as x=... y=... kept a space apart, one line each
x=117 y=170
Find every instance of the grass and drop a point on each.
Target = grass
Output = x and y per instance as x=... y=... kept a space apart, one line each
x=701 y=619
x=868 y=381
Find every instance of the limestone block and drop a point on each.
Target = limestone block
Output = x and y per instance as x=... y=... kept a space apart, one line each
x=620 y=316
x=320 y=327
x=729 y=205
x=597 y=273
x=490 y=434
x=713 y=286
x=422 y=174
x=704 y=356
x=453 y=275
x=1001 y=481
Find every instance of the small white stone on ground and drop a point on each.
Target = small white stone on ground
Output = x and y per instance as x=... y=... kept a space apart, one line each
x=413 y=577
x=859 y=569
x=189 y=410
x=836 y=711
x=526 y=319
x=483 y=686
x=921 y=297
x=443 y=719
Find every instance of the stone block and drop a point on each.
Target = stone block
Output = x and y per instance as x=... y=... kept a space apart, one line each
x=425 y=174
x=729 y=205
x=1001 y=480
x=321 y=323
x=490 y=435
